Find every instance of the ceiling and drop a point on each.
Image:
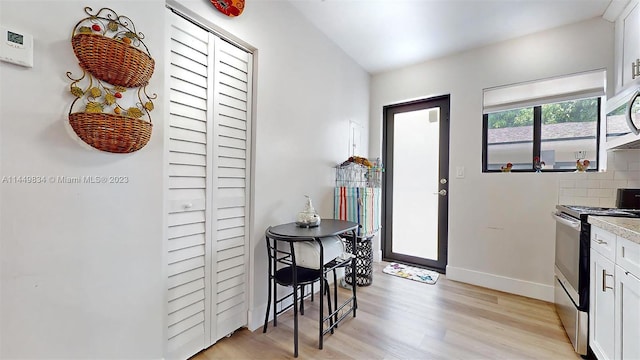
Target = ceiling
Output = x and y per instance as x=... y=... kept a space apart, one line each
x=386 y=34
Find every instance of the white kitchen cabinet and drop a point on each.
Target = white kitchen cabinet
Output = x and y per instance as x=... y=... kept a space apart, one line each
x=614 y=305
x=602 y=306
x=628 y=255
x=627 y=315
x=627 y=46
x=627 y=299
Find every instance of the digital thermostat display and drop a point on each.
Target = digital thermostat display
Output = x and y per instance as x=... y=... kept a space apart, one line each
x=15 y=38
x=16 y=46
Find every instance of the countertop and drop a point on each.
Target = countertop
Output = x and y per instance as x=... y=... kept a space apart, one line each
x=628 y=228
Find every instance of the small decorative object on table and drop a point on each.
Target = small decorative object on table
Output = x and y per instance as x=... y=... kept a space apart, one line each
x=308 y=217
x=537 y=164
x=583 y=165
x=506 y=168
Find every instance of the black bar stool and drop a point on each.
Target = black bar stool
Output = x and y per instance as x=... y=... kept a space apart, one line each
x=284 y=271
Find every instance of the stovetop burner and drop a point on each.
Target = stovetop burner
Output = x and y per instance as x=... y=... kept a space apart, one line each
x=583 y=211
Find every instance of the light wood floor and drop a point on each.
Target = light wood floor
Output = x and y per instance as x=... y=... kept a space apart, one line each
x=404 y=319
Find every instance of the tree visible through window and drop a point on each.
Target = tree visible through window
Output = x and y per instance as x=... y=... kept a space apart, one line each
x=558 y=133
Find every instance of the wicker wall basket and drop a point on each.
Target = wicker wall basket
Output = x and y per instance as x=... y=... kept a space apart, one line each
x=110 y=132
x=112 y=60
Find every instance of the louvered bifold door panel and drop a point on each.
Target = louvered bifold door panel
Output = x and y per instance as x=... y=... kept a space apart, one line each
x=189 y=198
x=231 y=140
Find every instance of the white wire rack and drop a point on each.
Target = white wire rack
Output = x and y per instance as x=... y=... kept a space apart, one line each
x=356 y=175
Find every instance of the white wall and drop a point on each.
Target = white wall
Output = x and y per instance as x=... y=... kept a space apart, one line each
x=500 y=232
x=82 y=265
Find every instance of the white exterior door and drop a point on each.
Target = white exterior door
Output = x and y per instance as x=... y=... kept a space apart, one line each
x=208 y=137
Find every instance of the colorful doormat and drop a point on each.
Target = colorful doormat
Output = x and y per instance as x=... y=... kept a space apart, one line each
x=412 y=273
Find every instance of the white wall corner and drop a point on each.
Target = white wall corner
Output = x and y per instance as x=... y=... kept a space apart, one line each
x=614 y=9
x=501 y=283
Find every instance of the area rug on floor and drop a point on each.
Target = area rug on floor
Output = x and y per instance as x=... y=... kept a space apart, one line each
x=412 y=273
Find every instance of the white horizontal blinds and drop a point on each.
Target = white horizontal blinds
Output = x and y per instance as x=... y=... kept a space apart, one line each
x=571 y=87
x=189 y=201
x=232 y=99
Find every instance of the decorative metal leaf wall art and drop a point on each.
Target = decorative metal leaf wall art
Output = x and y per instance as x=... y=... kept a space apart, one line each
x=103 y=113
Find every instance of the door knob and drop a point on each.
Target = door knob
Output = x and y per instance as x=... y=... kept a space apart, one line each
x=442 y=192
x=443 y=181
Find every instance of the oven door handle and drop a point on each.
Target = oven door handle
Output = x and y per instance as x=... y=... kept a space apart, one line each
x=575 y=224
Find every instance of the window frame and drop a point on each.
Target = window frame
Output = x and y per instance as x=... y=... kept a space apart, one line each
x=537 y=141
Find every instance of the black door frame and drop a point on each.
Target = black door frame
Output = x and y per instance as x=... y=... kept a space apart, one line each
x=443 y=102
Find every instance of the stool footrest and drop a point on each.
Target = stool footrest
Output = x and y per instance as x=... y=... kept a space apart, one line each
x=336 y=312
x=336 y=263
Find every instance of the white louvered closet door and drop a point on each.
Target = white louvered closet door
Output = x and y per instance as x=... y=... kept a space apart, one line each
x=208 y=167
x=231 y=150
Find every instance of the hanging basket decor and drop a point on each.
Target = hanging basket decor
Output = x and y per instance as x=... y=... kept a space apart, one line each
x=108 y=46
x=103 y=114
x=109 y=132
x=98 y=118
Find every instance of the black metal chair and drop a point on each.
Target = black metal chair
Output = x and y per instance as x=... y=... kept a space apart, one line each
x=284 y=271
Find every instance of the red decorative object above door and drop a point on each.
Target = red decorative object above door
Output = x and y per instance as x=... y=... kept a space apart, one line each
x=230 y=8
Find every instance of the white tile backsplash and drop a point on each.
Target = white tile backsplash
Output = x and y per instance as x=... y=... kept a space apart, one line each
x=600 y=188
x=594 y=184
x=602 y=175
x=607 y=203
x=567 y=184
x=601 y=193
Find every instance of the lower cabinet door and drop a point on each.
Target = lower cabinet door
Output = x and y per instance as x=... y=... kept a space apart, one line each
x=627 y=315
x=602 y=307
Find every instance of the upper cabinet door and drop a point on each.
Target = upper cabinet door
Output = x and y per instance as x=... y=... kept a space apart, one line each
x=628 y=46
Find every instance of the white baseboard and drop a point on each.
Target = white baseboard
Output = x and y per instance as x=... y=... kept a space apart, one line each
x=501 y=283
x=256 y=317
x=377 y=256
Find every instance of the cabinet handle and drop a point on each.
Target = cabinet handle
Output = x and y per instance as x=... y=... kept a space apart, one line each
x=604 y=280
x=635 y=69
x=602 y=242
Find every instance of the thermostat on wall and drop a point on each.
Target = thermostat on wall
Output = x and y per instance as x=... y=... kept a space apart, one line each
x=16 y=47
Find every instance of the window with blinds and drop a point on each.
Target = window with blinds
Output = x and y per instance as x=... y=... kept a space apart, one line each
x=546 y=125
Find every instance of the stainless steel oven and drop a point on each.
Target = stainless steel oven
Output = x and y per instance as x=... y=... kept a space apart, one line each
x=570 y=298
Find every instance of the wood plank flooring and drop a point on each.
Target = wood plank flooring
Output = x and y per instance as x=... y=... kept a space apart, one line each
x=404 y=319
